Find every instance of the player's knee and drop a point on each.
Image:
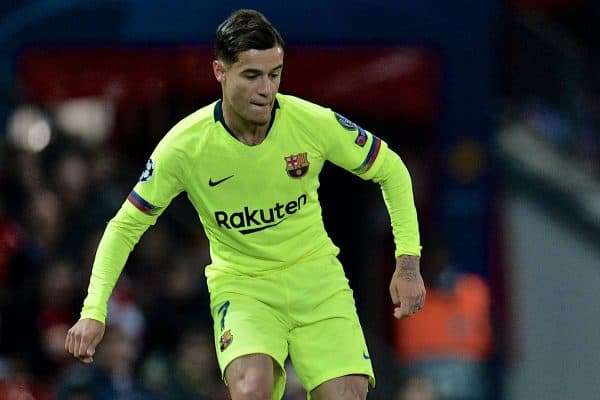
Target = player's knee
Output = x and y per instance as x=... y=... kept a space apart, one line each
x=251 y=377
x=251 y=388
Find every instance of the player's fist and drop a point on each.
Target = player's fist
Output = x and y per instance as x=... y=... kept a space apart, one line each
x=83 y=337
x=406 y=287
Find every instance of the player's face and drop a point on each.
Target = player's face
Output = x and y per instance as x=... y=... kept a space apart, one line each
x=249 y=85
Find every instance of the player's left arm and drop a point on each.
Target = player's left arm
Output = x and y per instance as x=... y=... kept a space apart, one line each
x=407 y=289
x=357 y=150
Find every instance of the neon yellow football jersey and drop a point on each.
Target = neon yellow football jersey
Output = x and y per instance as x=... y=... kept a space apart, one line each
x=258 y=204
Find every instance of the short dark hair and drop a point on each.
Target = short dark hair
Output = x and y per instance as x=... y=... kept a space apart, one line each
x=245 y=30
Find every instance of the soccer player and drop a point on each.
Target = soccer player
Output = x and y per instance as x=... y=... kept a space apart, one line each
x=250 y=165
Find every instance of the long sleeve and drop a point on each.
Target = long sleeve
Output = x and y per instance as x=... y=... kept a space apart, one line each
x=161 y=180
x=396 y=186
x=121 y=235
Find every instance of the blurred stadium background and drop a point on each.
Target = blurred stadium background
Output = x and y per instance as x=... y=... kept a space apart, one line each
x=494 y=106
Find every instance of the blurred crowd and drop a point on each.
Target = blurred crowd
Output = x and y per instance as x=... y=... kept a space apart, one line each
x=54 y=205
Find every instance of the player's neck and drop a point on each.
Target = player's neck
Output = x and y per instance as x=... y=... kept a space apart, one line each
x=245 y=131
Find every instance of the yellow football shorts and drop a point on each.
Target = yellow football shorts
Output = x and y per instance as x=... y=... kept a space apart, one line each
x=306 y=311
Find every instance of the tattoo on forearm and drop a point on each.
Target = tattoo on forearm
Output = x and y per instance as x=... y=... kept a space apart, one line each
x=408 y=267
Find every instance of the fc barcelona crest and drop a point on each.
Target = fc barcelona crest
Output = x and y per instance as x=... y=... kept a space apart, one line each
x=226 y=339
x=296 y=165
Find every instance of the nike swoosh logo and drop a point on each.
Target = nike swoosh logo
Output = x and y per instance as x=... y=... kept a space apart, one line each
x=212 y=183
x=366 y=356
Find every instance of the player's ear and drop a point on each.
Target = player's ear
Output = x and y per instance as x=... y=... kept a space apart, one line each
x=219 y=70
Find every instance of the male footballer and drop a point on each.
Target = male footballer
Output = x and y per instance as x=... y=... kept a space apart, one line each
x=250 y=165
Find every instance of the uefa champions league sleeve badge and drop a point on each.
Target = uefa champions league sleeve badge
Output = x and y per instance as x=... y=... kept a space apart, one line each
x=148 y=171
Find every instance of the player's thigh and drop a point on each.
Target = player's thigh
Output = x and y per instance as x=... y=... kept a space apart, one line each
x=251 y=376
x=349 y=387
x=245 y=326
x=330 y=343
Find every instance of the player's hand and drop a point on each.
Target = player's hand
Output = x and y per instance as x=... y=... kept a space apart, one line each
x=406 y=288
x=83 y=337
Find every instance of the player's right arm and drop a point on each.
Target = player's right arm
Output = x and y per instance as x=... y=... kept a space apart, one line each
x=160 y=182
x=118 y=240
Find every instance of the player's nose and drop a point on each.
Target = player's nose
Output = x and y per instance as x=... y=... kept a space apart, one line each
x=266 y=87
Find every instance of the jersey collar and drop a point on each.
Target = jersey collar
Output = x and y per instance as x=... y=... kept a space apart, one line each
x=218 y=115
